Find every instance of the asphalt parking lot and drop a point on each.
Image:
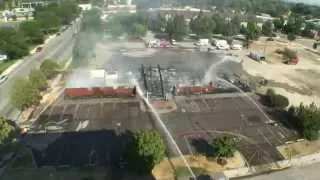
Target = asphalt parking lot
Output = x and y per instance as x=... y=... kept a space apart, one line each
x=93 y=114
x=198 y=120
x=86 y=132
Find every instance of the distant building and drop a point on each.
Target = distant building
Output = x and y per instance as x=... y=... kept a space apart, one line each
x=35 y=3
x=85 y=7
x=265 y=17
x=23 y=12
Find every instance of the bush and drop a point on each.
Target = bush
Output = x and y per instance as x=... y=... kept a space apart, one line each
x=306 y=119
x=276 y=100
x=49 y=68
x=224 y=147
x=289 y=53
x=291 y=37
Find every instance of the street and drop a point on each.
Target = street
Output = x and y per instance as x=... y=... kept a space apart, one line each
x=310 y=172
x=57 y=49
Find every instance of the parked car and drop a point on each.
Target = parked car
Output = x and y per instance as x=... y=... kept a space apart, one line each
x=236 y=47
x=3 y=78
x=223 y=47
x=270 y=39
x=39 y=49
x=173 y=42
x=3 y=57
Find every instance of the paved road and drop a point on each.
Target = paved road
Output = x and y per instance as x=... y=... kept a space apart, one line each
x=310 y=172
x=57 y=49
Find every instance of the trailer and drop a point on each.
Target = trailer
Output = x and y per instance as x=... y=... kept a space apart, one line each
x=293 y=61
x=193 y=90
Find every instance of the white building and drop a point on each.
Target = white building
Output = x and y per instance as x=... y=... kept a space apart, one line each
x=85 y=7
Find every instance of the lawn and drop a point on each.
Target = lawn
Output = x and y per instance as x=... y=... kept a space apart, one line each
x=5 y=65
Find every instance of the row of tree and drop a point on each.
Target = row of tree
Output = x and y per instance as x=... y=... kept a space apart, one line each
x=275 y=8
x=133 y=25
x=25 y=92
x=15 y=42
x=306 y=119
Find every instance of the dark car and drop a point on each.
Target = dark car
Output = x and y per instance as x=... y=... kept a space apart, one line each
x=39 y=49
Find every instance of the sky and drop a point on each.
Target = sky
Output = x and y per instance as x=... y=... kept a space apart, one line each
x=314 y=2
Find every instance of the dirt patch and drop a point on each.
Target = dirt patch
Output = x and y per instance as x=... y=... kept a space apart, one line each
x=166 y=169
x=298 y=149
x=310 y=73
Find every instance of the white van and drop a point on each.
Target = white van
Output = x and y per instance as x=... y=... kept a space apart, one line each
x=236 y=47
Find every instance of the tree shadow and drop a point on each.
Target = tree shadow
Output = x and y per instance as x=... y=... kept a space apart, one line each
x=86 y=149
x=202 y=146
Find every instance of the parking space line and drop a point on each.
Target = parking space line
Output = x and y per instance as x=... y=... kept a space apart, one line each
x=88 y=112
x=282 y=136
x=188 y=145
x=101 y=111
x=49 y=113
x=75 y=111
x=63 y=111
x=206 y=104
x=284 y=133
x=273 y=134
x=264 y=137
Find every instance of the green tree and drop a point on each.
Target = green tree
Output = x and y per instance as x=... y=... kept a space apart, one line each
x=176 y=27
x=307 y=31
x=6 y=131
x=202 y=25
x=92 y=20
x=301 y=8
x=267 y=28
x=116 y=30
x=254 y=31
x=12 y=43
x=138 y=30
x=291 y=37
x=24 y=94
x=147 y=151
x=48 y=20
x=276 y=100
x=294 y=24
x=224 y=147
x=49 y=68
x=32 y=32
x=308 y=120
x=278 y=24
x=67 y=11
x=158 y=24
x=38 y=79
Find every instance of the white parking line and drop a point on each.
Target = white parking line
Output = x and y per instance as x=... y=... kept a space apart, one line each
x=284 y=132
x=63 y=111
x=75 y=111
x=188 y=145
x=282 y=136
x=88 y=112
x=101 y=110
x=264 y=137
x=195 y=106
x=273 y=134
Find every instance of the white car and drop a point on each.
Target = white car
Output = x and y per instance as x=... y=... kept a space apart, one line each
x=3 y=78
x=223 y=47
x=236 y=47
